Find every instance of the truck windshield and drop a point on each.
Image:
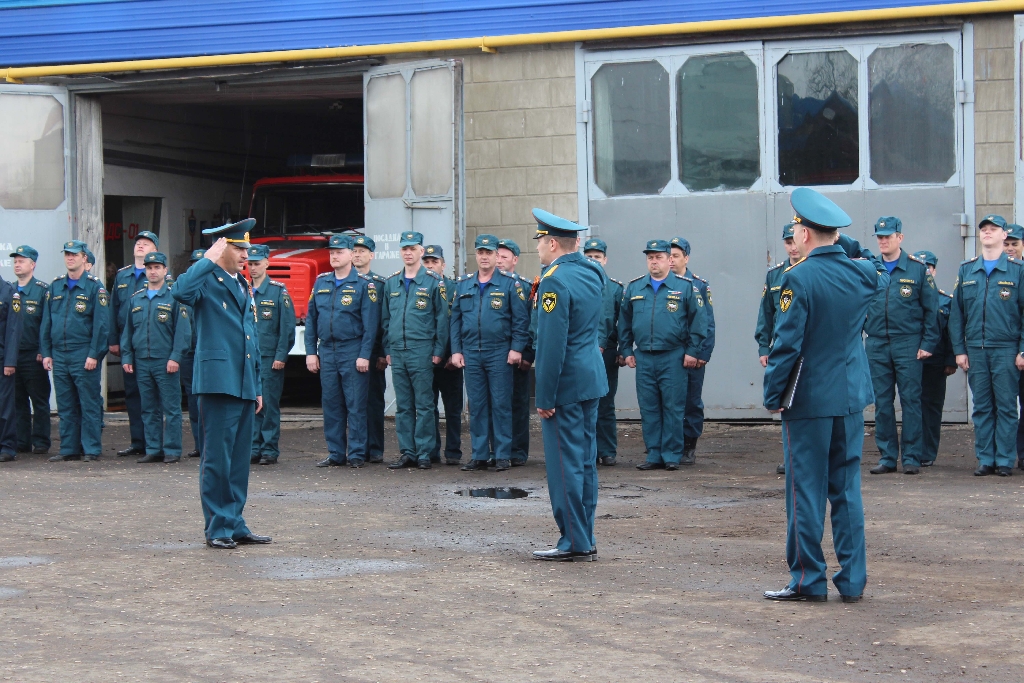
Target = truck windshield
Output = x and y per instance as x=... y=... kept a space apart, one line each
x=307 y=209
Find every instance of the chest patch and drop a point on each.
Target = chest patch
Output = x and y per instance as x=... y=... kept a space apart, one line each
x=785 y=299
x=346 y=299
x=1004 y=294
x=80 y=306
x=906 y=291
x=496 y=303
x=267 y=313
x=30 y=308
x=162 y=316
x=672 y=306
x=421 y=303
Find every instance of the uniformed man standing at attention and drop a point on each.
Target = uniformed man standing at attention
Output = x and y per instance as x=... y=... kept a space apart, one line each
x=490 y=327
x=508 y=259
x=341 y=329
x=693 y=421
x=985 y=326
x=570 y=383
x=447 y=375
x=608 y=341
x=934 y=371
x=72 y=338
x=31 y=383
x=156 y=334
x=363 y=249
x=1013 y=245
x=275 y=321
x=818 y=339
x=415 y=321
x=187 y=369
x=129 y=280
x=10 y=339
x=227 y=380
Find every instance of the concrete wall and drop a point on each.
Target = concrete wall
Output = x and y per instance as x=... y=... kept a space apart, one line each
x=993 y=115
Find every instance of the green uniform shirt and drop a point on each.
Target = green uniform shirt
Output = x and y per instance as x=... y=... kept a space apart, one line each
x=34 y=296
x=670 y=318
x=611 y=301
x=417 y=317
x=987 y=311
x=275 y=320
x=75 y=319
x=158 y=329
x=769 y=307
x=907 y=308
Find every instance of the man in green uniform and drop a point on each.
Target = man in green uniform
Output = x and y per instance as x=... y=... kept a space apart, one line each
x=1013 y=245
x=10 y=341
x=447 y=376
x=275 y=322
x=508 y=260
x=985 y=327
x=156 y=334
x=31 y=382
x=608 y=342
x=415 y=321
x=934 y=371
x=185 y=374
x=72 y=338
x=363 y=249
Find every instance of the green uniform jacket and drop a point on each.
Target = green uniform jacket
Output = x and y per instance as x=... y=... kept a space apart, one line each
x=704 y=298
x=497 y=318
x=159 y=328
x=987 y=311
x=448 y=292
x=769 y=306
x=125 y=285
x=275 y=320
x=378 y=343
x=418 y=317
x=671 y=318
x=75 y=319
x=611 y=301
x=31 y=308
x=10 y=320
x=908 y=306
x=944 y=355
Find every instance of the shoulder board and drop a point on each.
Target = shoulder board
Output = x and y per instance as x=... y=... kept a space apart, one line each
x=945 y=294
x=435 y=275
x=683 y=277
x=697 y=277
x=970 y=260
x=130 y=265
x=504 y=272
x=636 y=278
x=275 y=282
x=914 y=258
x=618 y=282
x=330 y=272
x=551 y=270
x=42 y=284
x=776 y=266
x=397 y=272
x=60 y=277
x=140 y=291
x=1013 y=260
x=91 y=276
x=795 y=265
x=360 y=275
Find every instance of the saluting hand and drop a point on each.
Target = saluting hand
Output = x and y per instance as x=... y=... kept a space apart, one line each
x=217 y=250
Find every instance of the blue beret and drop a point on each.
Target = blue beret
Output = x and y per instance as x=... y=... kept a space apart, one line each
x=995 y=220
x=147 y=235
x=489 y=242
x=657 y=247
x=155 y=257
x=258 y=252
x=235 y=233
x=364 y=241
x=510 y=245
x=26 y=251
x=411 y=239
x=595 y=244
x=928 y=257
x=817 y=211
x=550 y=225
x=433 y=251
x=340 y=242
x=196 y=255
x=887 y=225
x=74 y=247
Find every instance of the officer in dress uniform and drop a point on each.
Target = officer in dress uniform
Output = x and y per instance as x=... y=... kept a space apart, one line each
x=227 y=380
x=10 y=338
x=72 y=339
x=363 y=249
x=508 y=259
x=447 y=375
x=663 y=315
x=341 y=328
x=570 y=382
x=129 y=280
x=31 y=382
x=415 y=321
x=490 y=327
x=156 y=334
x=186 y=372
x=985 y=326
x=824 y=299
x=693 y=422
x=608 y=341
x=275 y=321
x=934 y=371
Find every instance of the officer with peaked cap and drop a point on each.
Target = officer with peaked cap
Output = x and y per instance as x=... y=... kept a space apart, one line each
x=31 y=382
x=447 y=376
x=186 y=371
x=10 y=342
x=608 y=341
x=363 y=249
x=72 y=340
x=986 y=327
x=934 y=371
x=156 y=334
x=570 y=382
x=227 y=380
x=818 y=339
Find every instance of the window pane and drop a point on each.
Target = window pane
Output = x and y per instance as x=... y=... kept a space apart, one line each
x=32 y=162
x=631 y=128
x=818 y=136
x=912 y=101
x=718 y=126
x=432 y=134
x=385 y=136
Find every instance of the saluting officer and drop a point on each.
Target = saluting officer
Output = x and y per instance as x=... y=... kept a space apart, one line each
x=985 y=326
x=934 y=371
x=72 y=338
x=608 y=341
x=508 y=259
x=187 y=369
x=129 y=280
x=341 y=328
x=818 y=335
x=227 y=380
x=415 y=321
x=10 y=339
x=156 y=334
x=363 y=249
x=490 y=327
x=570 y=383
x=664 y=316
x=31 y=383
x=447 y=375
x=693 y=421
x=275 y=321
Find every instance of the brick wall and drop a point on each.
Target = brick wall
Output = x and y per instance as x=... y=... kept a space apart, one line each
x=993 y=115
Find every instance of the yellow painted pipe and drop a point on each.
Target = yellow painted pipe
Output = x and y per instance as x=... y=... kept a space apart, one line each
x=17 y=74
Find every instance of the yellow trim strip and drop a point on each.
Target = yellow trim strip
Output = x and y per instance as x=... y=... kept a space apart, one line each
x=491 y=43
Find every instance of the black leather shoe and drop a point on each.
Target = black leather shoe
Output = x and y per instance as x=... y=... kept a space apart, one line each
x=328 y=462
x=64 y=458
x=689 y=452
x=1004 y=471
x=651 y=466
x=502 y=465
x=157 y=457
x=672 y=466
x=789 y=595
x=606 y=461
x=1020 y=463
x=40 y=450
x=882 y=469
x=911 y=470
x=435 y=459
x=193 y=454
x=522 y=463
x=8 y=457
x=268 y=461
x=404 y=461
x=355 y=463
x=451 y=462
x=982 y=471
x=556 y=555
x=252 y=539
x=131 y=450
x=221 y=543
x=423 y=464
x=90 y=458
x=376 y=459
x=254 y=459
x=851 y=598
x=927 y=463
x=474 y=465
x=490 y=462
x=781 y=469
x=171 y=459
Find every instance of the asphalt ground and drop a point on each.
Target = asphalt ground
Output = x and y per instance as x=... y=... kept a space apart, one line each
x=377 y=575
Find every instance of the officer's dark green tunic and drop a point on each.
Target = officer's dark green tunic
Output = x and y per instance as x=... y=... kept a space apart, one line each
x=933 y=383
x=608 y=339
x=769 y=307
x=10 y=340
x=127 y=281
x=448 y=387
x=31 y=381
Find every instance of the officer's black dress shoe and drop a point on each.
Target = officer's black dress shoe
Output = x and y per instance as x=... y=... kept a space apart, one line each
x=474 y=465
x=156 y=457
x=64 y=458
x=556 y=555
x=423 y=464
x=376 y=459
x=651 y=466
x=522 y=463
x=911 y=470
x=252 y=539
x=354 y=463
x=404 y=461
x=672 y=466
x=502 y=465
x=90 y=458
x=927 y=463
x=450 y=461
x=40 y=450
x=328 y=462
x=851 y=598
x=131 y=450
x=254 y=459
x=984 y=470
x=1004 y=471
x=789 y=595
x=606 y=461
x=8 y=457
x=781 y=469
x=882 y=469
x=221 y=543
x=193 y=454
x=267 y=460
x=171 y=459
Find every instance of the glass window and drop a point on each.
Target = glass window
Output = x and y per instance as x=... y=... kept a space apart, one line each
x=385 y=136
x=817 y=111
x=718 y=123
x=912 y=100
x=304 y=209
x=632 y=141
x=432 y=133
x=32 y=163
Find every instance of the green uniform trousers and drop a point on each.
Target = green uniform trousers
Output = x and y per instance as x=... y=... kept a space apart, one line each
x=32 y=403
x=894 y=365
x=266 y=433
x=933 y=397
x=993 y=378
x=160 y=392
x=79 y=403
x=607 y=431
x=661 y=383
x=412 y=373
